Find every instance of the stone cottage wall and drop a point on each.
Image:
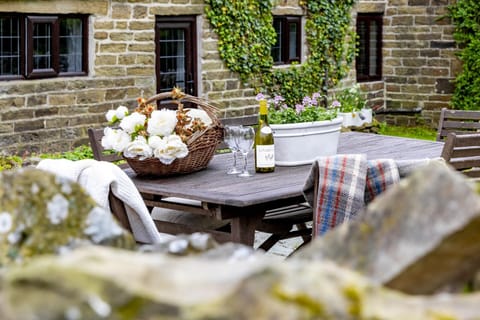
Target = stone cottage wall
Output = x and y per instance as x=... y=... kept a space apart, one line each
x=54 y=114
x=419 y=60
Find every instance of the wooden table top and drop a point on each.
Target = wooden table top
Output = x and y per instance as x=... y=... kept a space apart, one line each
x=213 y=186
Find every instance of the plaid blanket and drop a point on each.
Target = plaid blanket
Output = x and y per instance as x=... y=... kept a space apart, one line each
x=346 y=183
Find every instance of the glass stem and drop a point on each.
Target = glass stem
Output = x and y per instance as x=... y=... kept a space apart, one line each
x=245 y=162
x=234 y=159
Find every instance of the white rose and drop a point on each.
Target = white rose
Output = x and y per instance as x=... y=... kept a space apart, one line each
x=115 y=139
x=117 y=114
x=138 y=147
x=156 y=142
x=162 y=122
x=200 y=114
x=110 y=115
x=169 y=149
x=121 y=112
x=133 y=122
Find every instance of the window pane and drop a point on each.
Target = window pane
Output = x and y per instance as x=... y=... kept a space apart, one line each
x=369 y=58
x=9 y=46
x=42 y=39
x=277 y=48
x=172 y=59
x=71 y=50
x=373 y=48
x=362 y=63
x=292 y=46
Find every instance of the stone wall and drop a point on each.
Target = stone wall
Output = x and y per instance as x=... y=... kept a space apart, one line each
x=419 y=60
x=54 y=114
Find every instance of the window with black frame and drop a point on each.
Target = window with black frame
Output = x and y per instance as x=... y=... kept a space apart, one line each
x=369 y=54
x=287 y=47
x=39 y=46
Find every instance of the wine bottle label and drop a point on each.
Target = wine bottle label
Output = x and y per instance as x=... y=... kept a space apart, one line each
x=265 y=156
x=266 y=130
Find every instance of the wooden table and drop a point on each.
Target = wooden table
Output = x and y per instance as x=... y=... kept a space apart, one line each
x=245 y=200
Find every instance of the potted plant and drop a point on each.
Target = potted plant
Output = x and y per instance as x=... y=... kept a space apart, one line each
x=351 y=106
x=303 y=132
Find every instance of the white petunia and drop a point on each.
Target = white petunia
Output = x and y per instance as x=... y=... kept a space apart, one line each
x=200 y=114
x=138 y=147
x=115 y=139
x=57 y=209
x=5 y=222
x=170 y=148
x=162 y=122
x=132 y=123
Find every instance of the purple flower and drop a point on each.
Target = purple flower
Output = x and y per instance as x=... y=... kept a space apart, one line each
x=283 y=106
x=299 y=108
x=260 y=96
x=316 y=95
x=307 y=101
x=336 y=104
x=278 y=99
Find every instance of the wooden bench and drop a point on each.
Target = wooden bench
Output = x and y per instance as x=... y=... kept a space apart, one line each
x=457 y=121
x=462 y=152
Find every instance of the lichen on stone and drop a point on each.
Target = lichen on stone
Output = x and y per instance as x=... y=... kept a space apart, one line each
x=41 y=213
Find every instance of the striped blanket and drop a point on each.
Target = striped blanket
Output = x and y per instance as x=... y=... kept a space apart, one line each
x=346 y=183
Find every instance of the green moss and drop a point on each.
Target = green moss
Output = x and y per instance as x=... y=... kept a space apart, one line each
x=441 y=316
x=10 y=162
x=354 y=297
x=315 y=308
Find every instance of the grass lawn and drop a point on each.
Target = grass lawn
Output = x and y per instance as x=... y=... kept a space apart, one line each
x=423 y=133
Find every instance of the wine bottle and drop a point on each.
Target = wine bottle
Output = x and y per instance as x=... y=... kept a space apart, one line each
x=264 y=146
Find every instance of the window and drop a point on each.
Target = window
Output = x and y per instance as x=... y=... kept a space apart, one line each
x=287 y=48
x=34 y=46
x=369 y=58
x=176 y=54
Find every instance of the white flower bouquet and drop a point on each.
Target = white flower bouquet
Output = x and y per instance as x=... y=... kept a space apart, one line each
x=168 y=136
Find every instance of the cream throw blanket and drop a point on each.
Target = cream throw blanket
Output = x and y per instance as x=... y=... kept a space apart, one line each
x=98 y=178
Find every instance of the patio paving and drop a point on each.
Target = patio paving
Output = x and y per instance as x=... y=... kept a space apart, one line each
x=283 y=248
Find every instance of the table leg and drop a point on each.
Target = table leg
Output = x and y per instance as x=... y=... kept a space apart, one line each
x=243 y=228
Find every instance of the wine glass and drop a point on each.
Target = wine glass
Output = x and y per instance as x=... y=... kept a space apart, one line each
x=230 y=133
x=245 y=140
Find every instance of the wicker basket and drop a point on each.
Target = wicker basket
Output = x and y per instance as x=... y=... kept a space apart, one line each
x=201 y=145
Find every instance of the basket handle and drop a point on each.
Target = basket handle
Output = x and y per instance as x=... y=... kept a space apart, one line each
x=178 y=97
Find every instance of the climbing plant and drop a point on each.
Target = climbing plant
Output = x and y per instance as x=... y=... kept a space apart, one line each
x=464 y=15
x=246 y=34
x=245 y=31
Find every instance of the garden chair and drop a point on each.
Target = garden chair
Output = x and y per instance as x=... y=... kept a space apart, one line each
x=462 y=152
x=458 y=121
x=340 y=186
